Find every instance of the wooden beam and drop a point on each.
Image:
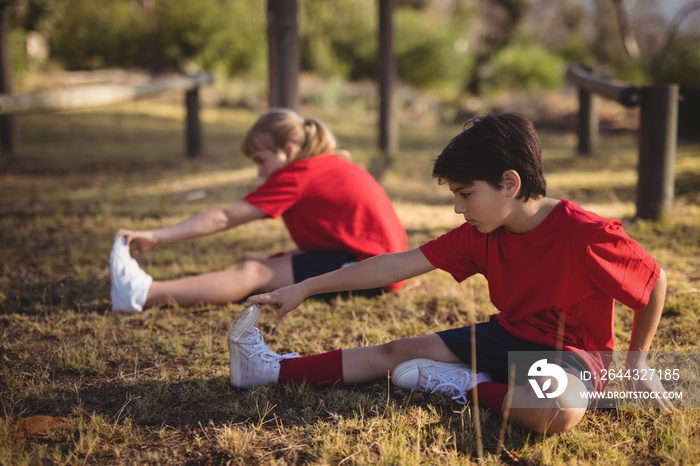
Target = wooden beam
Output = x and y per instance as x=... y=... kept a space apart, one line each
x=629 y=96
x=95 y=96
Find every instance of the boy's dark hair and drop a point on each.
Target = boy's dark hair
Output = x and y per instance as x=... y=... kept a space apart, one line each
x=490 y=145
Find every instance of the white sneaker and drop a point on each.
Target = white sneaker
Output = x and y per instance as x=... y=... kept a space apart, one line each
x=451 y=379
x=252 y=363
x=130 y=284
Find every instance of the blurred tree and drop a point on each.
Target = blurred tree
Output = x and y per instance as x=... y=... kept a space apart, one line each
x=449 y=45
x=672 y=32
x=339 y=38
x=495 y=26
x=628 y=39
x=561 y=27
x=606 y=45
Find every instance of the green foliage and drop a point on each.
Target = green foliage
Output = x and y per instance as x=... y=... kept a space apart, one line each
x=443 y=46
x=682 y=66
x=525 y=65
x=339 y=38
x=224 y=35
x=18 y=53
x=91 y=35
x=209 y=34
x=633 y=71
x=427 y=51
x=575 y=50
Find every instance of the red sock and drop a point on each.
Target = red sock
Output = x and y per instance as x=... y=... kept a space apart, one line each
x=491 y=395
x=319 y=369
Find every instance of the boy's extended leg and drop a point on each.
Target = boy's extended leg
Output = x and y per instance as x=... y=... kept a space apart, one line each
x=253 y=364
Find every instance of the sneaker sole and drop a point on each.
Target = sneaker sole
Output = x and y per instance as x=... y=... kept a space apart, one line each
x=400 y=372
x=114 y=257
x=243 y=322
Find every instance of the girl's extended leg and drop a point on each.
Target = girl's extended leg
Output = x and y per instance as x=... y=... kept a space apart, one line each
x=132 y=288
x=225 y=286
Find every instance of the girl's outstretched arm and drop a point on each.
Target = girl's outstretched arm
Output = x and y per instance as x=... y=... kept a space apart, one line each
x=374 y=272
x=207 y=222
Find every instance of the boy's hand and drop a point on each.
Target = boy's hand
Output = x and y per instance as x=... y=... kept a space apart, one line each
x=282 y=300
x=142 y=241
x=651 y=385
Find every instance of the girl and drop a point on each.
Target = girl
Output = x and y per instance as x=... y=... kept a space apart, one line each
x=335 y=212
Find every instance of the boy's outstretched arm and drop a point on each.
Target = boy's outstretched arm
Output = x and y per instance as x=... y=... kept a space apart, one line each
x=643 y=329
x=374 y=272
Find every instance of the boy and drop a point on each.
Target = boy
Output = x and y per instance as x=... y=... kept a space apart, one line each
x=554 y=272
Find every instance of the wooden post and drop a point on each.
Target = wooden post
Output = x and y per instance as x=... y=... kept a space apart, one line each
x=588 y=121
x=658 y=125
x=193 y=129
x=388 y=131
x=283 y=53
x=7 y=122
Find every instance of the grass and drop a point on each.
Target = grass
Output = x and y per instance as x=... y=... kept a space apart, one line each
x=153 y=388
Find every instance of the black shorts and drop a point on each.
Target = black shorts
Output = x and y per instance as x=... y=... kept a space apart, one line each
x=311 y=264
x=493 y=343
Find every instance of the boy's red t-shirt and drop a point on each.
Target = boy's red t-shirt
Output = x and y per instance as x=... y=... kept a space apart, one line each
x=328 y=203
x=575 y=264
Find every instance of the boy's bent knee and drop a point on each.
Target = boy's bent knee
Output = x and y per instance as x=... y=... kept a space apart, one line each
x=550 y=415
x=548 y=419
x=559 y=420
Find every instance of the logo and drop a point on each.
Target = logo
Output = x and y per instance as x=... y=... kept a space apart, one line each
x=550 y=371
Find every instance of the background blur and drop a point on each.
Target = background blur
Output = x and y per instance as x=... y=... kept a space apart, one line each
x=452 y=53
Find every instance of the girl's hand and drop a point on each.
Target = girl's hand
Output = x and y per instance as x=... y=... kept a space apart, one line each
x=142 y=241
x=282 y=301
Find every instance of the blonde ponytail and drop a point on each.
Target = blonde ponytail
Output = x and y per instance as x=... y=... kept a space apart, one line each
x=278 y=126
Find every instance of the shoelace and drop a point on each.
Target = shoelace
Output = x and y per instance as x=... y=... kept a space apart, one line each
x=266 y=354
x=456 y=390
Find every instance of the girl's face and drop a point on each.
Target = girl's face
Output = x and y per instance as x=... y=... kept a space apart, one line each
x=481 y=205
x=269 y=161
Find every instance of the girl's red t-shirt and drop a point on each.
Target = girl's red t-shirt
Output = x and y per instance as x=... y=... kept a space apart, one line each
x=571 y=267
x=328 y=203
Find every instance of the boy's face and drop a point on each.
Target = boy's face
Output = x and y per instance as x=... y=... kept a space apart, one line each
x=481 y=205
